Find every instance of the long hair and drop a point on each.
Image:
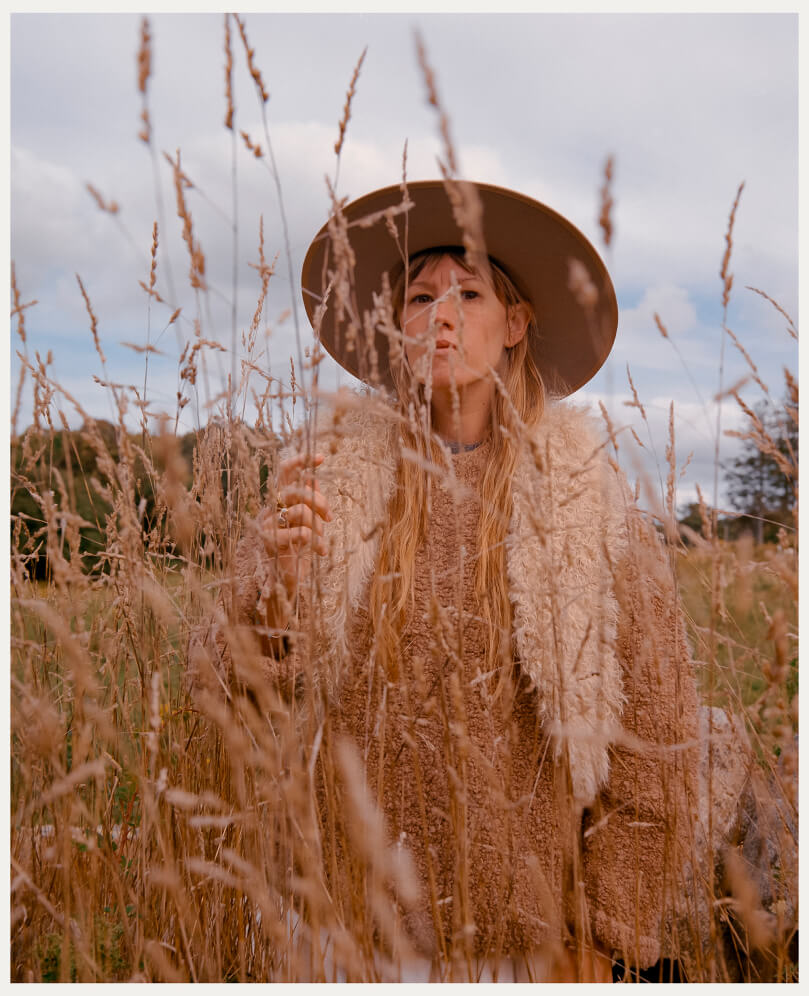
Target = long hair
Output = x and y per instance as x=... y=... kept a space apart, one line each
x=518 y=404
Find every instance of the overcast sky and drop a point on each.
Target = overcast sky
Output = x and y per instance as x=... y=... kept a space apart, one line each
x=689 y=106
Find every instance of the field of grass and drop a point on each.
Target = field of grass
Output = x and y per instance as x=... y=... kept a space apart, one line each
x=757 y=606
x=160 y=835
x=153 y=840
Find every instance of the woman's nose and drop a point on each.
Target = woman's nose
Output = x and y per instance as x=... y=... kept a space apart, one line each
x=446 y=313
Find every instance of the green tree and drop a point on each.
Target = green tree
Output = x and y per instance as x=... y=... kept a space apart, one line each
x=762 y=480
x=64 y=476
x=62 y=469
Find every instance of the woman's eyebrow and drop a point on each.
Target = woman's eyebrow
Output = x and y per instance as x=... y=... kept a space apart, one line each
x=426 y=279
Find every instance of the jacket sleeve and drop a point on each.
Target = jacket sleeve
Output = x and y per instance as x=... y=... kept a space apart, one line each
x=637 y=836
x=237 y=645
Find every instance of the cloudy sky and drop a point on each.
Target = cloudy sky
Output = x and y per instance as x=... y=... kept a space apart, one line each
x=688 y=105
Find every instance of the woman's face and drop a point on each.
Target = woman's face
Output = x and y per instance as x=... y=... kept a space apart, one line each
x=468 y=324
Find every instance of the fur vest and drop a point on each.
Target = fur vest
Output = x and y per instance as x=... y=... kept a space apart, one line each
x=569 y=527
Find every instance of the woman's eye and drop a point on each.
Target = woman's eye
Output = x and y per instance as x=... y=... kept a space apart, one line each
x=469 y=295
x=420 y=299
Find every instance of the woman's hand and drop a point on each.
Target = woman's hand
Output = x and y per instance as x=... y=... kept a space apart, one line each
x=295 y=528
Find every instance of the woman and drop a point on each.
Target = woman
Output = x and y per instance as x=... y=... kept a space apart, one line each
x=493 y=624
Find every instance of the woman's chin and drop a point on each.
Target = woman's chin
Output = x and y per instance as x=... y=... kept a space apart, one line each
x=444 y=380
x=446 y=370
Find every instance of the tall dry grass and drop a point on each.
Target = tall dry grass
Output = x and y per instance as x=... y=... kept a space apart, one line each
x=158 y=835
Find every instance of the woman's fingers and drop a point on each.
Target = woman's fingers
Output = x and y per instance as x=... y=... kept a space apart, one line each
x=312 y=497
x=299 y=515
x=299 y=538
x=312 y=510
x=297 y=524
x=293 y=469
x=293 y=528
x=297 y=484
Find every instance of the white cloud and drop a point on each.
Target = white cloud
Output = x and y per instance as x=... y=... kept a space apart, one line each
x=695 y=433
x=643 y=345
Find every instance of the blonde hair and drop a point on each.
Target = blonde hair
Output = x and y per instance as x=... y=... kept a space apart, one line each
x=519 y=402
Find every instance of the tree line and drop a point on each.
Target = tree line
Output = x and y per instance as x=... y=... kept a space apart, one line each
x=66 y=471
x=71 y=478
x=761 y=480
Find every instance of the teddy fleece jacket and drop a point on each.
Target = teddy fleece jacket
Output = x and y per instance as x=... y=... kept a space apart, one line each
x=545 y=800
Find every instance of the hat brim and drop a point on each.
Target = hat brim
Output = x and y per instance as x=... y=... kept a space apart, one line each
x=550 y=260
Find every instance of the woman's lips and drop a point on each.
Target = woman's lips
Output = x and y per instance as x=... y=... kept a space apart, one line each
x=443 y=344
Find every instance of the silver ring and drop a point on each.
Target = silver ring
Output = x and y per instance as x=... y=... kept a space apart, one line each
x=283 y=521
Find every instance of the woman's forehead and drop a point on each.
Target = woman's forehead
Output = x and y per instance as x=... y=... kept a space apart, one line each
x=425 y=265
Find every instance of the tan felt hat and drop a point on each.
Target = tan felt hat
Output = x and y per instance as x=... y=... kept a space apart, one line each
x=550 y=261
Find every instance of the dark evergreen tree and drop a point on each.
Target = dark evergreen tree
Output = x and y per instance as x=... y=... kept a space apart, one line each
x=762 y=480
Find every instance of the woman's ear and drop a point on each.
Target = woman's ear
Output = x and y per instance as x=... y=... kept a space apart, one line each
x=518 y=317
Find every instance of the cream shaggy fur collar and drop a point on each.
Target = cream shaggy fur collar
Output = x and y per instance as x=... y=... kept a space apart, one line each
x=568 y=530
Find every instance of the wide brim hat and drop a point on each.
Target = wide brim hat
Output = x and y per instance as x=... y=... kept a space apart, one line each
x=552 y=264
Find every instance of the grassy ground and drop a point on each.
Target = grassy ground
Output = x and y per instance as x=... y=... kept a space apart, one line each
x=756 y=602
x=128 y=877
